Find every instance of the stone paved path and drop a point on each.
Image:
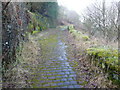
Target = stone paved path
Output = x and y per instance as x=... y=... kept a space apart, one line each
x=55 y=71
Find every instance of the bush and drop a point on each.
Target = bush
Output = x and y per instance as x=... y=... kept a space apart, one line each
x=85 y=37
x=77 y=34
x=107 y=59
x=70 y=27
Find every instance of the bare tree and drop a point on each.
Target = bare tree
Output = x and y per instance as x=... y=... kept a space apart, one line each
x=119 y=24
x=118 y=35
x=101 y=20
x=119 y=20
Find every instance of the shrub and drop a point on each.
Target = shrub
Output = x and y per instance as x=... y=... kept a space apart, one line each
x=85 y=37
x=106 y=58
x=78 y=34
x=70 y=27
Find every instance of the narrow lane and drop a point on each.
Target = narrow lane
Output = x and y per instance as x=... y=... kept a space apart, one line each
x=54 y=71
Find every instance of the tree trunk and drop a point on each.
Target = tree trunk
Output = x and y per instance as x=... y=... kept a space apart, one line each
x=118 y=35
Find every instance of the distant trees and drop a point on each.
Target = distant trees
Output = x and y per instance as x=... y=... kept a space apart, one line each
x=101 y=20
x=68 y=16
x=46 y=9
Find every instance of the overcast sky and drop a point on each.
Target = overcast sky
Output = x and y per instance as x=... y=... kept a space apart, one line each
x=79 y=5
